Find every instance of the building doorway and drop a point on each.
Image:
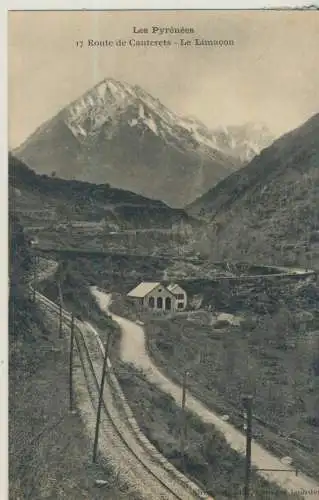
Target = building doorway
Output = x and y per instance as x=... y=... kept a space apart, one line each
x=151 y=302
x=159 y=303
x=168 y=304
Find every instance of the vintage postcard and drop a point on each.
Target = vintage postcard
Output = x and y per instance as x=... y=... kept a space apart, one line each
x=163 y=254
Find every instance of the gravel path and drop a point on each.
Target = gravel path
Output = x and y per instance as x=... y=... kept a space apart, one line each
x=110 y=443
x=139 y=476
x=130 y=458
x=133 y=351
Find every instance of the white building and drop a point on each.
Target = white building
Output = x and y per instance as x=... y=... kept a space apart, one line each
x=180 y=296
x=157 y=297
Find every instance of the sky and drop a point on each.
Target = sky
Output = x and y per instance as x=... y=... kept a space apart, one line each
x=270 y=75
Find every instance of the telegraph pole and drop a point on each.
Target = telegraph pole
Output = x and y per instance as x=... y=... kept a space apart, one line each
x=98 y=417
x=60 y=319
x=248 y=407
x=183 y=427
x=34 y=276
x=71 y=363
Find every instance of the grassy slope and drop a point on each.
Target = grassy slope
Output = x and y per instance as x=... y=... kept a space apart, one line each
x=279 y=369
x=208 y=458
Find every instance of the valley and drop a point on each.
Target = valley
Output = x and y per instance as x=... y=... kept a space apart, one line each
x=246 y=255
x=171 y=344
x=163 y=254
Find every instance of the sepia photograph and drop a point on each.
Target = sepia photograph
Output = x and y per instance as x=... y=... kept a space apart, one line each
x=163 y=225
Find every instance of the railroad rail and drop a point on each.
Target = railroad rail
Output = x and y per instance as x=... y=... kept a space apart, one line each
x=159 y=476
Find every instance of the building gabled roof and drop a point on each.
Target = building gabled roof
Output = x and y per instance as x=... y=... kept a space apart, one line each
x=143 y=289
x=173 y=286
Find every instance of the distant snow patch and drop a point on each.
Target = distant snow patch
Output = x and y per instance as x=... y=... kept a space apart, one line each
x=141 y=111
x=101 y=89
x=151 y=124
x=133 y=122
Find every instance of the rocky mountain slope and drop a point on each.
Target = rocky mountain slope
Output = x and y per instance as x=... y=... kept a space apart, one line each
x=242 y=142
x=270 y=208
x=39 y=199
x=120 y=134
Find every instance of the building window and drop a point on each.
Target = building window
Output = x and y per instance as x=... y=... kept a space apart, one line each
x=180 y=296
x=159 y=303
x=168 y=303
x=151 y=302
x=180 y=305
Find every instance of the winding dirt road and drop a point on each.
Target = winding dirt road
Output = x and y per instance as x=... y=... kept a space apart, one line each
x=133 y=351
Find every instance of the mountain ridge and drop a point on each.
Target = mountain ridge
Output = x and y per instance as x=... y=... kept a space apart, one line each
x=270 y=208
x=84 y=200
x=120 y=134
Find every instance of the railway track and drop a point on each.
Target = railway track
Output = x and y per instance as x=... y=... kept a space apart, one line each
x=154 y=476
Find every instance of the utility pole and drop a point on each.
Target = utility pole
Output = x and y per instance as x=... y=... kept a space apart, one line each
x=71 y=363
x=98 y=417
x=247 y=400
x=60 y=319
x=183 y=425
x=34 y=277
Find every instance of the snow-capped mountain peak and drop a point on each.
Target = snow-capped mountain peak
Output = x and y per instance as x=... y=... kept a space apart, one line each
x=120 y=134
x=111 y=102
